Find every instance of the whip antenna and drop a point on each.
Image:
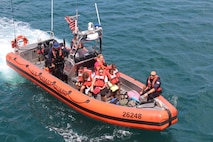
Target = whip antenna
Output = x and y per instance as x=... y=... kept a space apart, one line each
x=96 y=8
x=14 y=27
x=52 y=15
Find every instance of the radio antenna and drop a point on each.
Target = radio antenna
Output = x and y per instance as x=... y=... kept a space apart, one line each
x=14 y=26
x=52 y=15
x=96 y=8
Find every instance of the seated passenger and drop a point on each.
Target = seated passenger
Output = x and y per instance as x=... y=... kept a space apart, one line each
x=115 y=72
x=86 y=82
x=113 y=83
x=78 y=84
x=100 y=63
x=113 y=66
x=99 y=84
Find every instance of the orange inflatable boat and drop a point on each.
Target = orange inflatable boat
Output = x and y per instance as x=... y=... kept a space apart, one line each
x=158 y=114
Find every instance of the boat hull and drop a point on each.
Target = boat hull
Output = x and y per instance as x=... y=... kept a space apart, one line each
x=148 y=118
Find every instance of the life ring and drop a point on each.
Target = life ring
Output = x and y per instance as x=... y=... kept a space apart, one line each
x=19 y=41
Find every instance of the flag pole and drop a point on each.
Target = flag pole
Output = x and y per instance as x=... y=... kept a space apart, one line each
x=76 y=22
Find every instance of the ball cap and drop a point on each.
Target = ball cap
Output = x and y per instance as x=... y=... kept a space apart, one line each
x=56 y=45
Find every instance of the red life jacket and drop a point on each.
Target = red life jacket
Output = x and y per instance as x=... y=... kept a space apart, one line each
x=113 y=78
x=99 y=82
x=88 y=82
x=115 y=71
x=152 y=84
x=55 y=52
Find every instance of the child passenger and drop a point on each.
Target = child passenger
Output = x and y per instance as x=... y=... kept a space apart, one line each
x=99 y=84
x=86 y=82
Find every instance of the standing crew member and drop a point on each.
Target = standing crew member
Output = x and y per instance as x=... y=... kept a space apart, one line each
x=56 y=61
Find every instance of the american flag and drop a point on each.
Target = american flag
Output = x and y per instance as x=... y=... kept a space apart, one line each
x=72 y=23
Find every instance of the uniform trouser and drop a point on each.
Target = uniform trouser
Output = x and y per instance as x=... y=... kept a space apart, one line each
x=153 y=95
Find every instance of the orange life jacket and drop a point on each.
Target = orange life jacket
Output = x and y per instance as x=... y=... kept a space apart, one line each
x=100 y=80
x=151 y=84
x=115 y=71
x=55 y=52
x=88 y=82
x=113 y=78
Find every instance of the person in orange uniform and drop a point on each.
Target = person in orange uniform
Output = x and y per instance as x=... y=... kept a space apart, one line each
x=99 y=84
x=153 y=87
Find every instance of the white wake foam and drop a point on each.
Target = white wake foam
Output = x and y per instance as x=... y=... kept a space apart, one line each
x=8 y=31
x=69 y=135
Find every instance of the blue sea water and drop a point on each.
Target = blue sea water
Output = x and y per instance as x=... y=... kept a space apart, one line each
x=173 y=37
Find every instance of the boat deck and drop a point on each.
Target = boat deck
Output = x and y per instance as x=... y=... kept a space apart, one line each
x=124 y=88
x=30 y=53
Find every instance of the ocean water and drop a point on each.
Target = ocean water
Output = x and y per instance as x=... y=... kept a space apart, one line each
x=174 y=37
